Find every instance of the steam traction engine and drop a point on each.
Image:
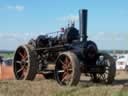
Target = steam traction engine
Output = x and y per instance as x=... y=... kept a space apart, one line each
x=69 y=54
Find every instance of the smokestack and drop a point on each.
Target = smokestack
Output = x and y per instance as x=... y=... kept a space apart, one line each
x=83 y=24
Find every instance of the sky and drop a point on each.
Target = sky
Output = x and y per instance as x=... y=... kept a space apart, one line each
x=21 y=20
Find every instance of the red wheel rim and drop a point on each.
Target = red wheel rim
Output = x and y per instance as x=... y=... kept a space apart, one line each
x=65 y=68
x=21 y=63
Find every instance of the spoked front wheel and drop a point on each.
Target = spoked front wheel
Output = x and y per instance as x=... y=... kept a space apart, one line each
x=24 y=63
x=67 y=69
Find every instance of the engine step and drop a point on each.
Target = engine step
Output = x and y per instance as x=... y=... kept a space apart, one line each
x=50 y=67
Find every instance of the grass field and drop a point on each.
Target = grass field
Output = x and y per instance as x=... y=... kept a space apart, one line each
x=7 y=55
x=42 y=87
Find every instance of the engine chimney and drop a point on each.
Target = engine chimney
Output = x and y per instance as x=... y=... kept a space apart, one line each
x=83 y=24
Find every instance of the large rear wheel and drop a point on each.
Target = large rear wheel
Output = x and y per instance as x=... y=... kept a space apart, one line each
x=24 y=63
x=67 y=69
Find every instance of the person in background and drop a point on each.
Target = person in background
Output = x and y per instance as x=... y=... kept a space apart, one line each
x=1 y=60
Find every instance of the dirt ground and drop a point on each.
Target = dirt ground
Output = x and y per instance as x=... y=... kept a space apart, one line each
x=6 y=72
x=43 y=87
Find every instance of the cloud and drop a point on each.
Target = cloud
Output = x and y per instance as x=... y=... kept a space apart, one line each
x=16 y=7
x=14 y=39
x=69 y=18
x=10 y=7
x=104 y=40
x=19 y=8
x=110 y=40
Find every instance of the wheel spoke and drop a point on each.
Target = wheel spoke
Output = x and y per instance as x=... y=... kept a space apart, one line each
x=66 y=77
x=70 y=70
x=21 y=69
x=103 y=76
x=107 y=68
x=66 y=61
x=61 y=61
x=106 y=75
x=22 y=56
x=25 y=53
x=22 y=76
x=24 y=71
x=107 y=71
x=69 y=65
x=19 y=62
x=100 y=76
x=65 y=67
x=27 y=61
